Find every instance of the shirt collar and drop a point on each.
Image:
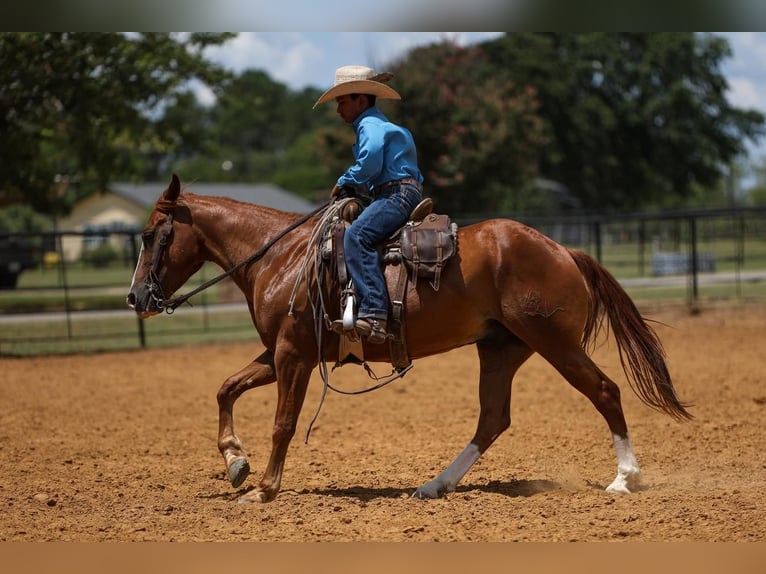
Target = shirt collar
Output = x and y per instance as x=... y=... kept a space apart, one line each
x=371 y=111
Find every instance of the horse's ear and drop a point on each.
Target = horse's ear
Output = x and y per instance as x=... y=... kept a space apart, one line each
x=173 y=190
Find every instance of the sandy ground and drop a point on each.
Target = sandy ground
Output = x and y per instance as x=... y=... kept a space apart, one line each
x=122 y=447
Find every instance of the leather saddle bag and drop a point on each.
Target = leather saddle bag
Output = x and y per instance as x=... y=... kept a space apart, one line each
x=426 y=245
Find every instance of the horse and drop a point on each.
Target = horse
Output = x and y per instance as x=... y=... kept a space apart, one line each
x=509 y=290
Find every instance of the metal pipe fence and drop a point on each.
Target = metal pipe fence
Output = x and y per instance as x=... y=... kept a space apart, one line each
x=73 y=298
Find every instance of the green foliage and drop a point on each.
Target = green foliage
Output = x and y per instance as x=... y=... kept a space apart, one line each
x=100 y=256
x=230 y=165
x=757 y=196
x=74 y=102
x=624 y=121
x=260 y=131
x=21 y=217
x=632 y=118
x=314 y=162
x=477 y=131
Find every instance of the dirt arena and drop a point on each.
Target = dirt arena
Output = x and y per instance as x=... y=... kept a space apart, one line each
x=122 y=447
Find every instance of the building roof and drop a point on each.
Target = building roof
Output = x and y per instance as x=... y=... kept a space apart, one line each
x=266 y=194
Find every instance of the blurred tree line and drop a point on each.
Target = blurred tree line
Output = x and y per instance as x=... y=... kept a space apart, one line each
x=529 y=122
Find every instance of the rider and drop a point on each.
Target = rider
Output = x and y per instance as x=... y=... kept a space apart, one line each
x=386 y=165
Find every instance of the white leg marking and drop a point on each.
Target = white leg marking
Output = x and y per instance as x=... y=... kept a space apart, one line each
x=450 y=476
x=628 y=472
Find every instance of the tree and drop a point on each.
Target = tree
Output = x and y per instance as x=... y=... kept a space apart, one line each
x=477 y=131
x=257 y=119
x=248 y=115
x=21 y=217
x=74 y=107
x=757 y=193
x=632 y=118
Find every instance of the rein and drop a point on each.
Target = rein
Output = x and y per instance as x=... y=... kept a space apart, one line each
x=317 y=301
x=170 y=305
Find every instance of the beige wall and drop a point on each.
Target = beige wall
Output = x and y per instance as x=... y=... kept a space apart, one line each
x=98 y=210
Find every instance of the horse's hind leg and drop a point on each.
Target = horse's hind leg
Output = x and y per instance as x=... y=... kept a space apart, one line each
x=582 y=373
x=498 y=363
x=259 y=372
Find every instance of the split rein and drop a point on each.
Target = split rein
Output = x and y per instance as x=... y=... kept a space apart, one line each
x=170 y=305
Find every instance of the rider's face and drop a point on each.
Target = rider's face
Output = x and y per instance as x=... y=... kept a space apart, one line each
x=349 y=107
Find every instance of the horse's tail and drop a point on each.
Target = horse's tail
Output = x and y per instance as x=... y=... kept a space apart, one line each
x=641 y=353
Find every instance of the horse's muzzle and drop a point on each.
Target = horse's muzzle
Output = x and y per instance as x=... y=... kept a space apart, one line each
x=141 y=301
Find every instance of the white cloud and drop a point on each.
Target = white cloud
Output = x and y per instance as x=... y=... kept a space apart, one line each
x=743 y=93
x=750 y=47
x=205 y=95
x=746 y=76
x=748 y=56
x=300 y=59
x=286 y=57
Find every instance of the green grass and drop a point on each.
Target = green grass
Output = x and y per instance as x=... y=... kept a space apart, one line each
x=57 y=302
x=81 y=335
x=41 y=290
x=682 y=292
x=88 y=288
x=76 y=274
x=79 y=274
x=624 y=259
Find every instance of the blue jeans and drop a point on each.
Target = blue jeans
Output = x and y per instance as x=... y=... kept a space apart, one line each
x=389 y=211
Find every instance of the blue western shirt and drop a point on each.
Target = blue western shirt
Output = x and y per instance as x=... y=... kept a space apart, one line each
x=383 y=152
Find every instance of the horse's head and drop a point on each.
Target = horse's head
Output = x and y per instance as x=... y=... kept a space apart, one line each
x=169 y=254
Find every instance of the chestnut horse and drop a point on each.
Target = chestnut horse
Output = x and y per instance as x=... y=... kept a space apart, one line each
x=510 y=290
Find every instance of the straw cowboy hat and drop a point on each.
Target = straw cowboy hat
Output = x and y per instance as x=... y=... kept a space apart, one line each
x=359 y=80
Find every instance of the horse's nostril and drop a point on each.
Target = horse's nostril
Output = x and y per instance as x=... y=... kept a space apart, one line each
x=131 y=300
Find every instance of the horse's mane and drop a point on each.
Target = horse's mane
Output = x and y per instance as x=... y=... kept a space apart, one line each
x=186 y=197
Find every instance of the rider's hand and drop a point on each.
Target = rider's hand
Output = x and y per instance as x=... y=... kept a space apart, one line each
x=342 y=192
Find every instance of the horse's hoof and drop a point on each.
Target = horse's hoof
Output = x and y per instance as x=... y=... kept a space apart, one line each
x=618 y=486
x=620 y=489
x=625 y=483
x=427 y=492
x=238 y=471
x=253 y=496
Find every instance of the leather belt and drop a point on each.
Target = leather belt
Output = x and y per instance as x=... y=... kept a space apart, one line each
x=405 y=181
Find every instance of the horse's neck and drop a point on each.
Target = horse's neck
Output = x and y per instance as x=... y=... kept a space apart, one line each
x=233 y=231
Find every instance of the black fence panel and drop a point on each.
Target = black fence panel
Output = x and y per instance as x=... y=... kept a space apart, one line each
x=66 y=291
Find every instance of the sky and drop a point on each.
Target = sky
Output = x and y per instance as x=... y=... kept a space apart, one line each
x=300 y=59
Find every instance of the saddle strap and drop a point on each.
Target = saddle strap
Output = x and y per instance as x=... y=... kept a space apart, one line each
x=398 y=343
x=338 y=232
x=440 y=243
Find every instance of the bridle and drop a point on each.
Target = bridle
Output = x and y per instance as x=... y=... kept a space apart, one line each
x=153 y=281
x=169 y=305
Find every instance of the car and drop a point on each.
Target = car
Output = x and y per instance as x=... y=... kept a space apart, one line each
x=16 y=255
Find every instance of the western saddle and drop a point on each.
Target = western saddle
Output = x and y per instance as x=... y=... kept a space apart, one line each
x=421 y=248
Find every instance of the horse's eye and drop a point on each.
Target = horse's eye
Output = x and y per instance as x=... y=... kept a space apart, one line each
x=147 y=237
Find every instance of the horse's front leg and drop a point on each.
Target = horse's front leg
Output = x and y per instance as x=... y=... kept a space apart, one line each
x=293 y=373
x=260 y=372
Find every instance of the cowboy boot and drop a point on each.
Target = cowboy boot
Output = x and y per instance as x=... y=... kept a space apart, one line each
x=373 y=329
